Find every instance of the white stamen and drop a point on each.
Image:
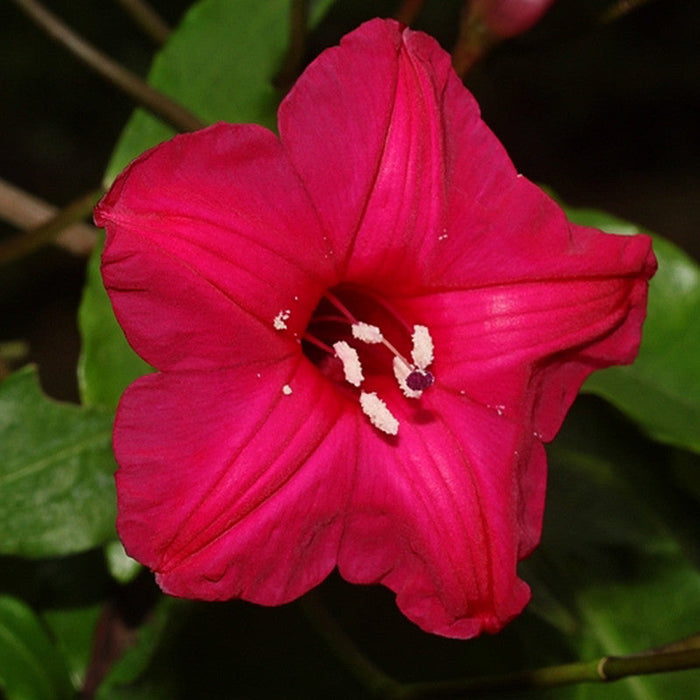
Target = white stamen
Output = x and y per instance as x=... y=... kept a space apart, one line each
x=351 y=362
x=286 y=390
x=422 y=351
x=280 y=321
x=367 y=333
x=401 y=371
x=378 y=413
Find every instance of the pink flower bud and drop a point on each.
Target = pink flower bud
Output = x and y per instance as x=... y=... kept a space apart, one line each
x=508 y=18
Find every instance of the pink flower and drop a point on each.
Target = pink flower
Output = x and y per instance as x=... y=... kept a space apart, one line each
x=365 y=330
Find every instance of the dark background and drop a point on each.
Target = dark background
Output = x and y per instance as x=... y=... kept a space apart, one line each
x=605 y=115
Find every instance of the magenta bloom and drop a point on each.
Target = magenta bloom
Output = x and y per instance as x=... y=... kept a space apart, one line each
x=365 y=330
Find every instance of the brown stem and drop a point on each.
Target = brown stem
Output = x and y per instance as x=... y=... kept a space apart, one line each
x=26 y=211
x=140 y=91
x=148 y=19
x=620 y=9
x=28 y=241
x=473 y=41
x=375 y=681
x=298 y=13
x=681 y=656
x=408 y=11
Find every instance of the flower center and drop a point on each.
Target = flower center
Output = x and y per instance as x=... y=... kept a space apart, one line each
x=355 y=335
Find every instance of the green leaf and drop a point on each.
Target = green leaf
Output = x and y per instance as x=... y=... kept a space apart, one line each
x=107 y=364
x=31 y=668
x=220 y=63
x=661 y=390
x=612 y=554
x=74 y=631
x=56 y=484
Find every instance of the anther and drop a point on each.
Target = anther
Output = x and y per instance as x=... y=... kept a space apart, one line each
x=351 y=362
x=367 y=333
x=422 y=351
x=413 y=376
x=279 y=322
x=378 y=413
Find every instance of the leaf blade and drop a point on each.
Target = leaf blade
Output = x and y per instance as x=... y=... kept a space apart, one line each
x=56 y=484
x=30 y=665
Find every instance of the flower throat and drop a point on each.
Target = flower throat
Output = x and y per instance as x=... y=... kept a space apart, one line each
x=335 y=333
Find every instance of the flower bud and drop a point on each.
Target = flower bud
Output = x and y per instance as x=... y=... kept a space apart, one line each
x=508 y=18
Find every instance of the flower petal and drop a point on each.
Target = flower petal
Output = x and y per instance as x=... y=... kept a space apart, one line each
x=373 y=161
x=524 y=348
x=234 y=483
x=445 y=526
x=200 y=231
x=500 y=228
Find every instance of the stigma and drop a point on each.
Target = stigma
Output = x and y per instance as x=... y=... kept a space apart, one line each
x=420 y=380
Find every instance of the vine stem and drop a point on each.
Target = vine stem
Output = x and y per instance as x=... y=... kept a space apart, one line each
x=148 y=19
x=473 y=42
x=298 y=13
x=409 y=11
x=24 y=210
x=678 y=656
x=620 y=8
x=21 y=245
x=140 y=91
x=372 y=678
x=604 y=670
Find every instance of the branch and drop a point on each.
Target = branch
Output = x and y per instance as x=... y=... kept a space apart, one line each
x=473 y=41
x=25 y=243
x=620 y=8
x=378 y=683
x=675 y=657
x=26 y=211
x=148 y=19
x=408 y=11
x=678 y=656
x=298 y=12
x=141 y=92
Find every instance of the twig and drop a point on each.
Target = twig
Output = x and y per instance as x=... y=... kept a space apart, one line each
x=408 y=11
x=621 y=8
x=370 y=676
x=298 y=13
x=140 y=91
x=473 y=41
x=26 y=211
x=28 y=241
x=148 y=19
x=680 y=656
